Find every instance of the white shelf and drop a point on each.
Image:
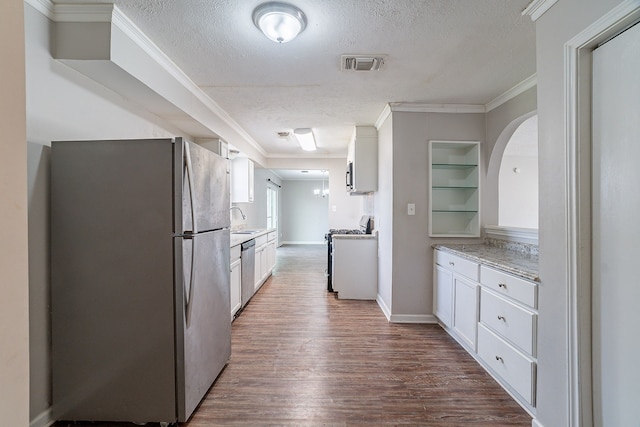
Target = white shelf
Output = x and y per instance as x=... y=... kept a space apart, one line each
x=454 y=190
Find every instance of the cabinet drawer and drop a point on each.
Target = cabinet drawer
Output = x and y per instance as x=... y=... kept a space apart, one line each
x=513 y=322
x=505 y=284
x=513 y=367
x=459 y=265
x=260 y=241
x=271 y=236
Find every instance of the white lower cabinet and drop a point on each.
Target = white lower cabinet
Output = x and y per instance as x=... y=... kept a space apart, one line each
x=235 y=283
x=465 y=310
x=493 y=314
x=443 y=294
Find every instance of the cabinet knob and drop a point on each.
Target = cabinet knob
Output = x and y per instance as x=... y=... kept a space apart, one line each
x=499 y=359
x=502 y=285
x=502 y=318
x=451 y=263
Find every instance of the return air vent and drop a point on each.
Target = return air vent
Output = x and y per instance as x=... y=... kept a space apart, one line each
x=362 y=62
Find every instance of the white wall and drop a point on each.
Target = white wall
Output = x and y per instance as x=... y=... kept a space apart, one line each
x=348 y=209
x=61 y=104
x=304 y=216
x=554 y=29
x=14 y=291
x=383 y=212
x=518 y=178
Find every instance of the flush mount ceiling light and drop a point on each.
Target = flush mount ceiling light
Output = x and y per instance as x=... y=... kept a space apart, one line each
x=305 y=138
x=280 y=22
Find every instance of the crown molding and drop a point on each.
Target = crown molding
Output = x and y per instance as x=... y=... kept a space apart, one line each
x=410 y=107
x=384 y=114
x=521 y=87
x=83 y=12
x=45 y=7
x=537 y=8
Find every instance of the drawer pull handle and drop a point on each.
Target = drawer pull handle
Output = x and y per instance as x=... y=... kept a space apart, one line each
x=499 y=359
x=502 y=318
x=502 y=285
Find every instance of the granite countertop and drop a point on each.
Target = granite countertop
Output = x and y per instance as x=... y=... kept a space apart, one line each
x=520 y=263
x=238 y=238
x=355 y=236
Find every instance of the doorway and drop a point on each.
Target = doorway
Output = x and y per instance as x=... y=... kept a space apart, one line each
x=616 y=229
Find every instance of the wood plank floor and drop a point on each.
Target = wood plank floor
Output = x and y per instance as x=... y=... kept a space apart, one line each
x=301 y=357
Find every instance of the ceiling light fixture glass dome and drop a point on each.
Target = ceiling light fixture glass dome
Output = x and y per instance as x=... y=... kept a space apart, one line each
x=280 y=22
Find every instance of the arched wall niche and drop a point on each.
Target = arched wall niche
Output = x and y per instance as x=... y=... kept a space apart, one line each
x=525 y=234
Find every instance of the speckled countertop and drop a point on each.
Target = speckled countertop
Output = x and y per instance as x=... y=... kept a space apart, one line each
x=238 y=238
x=522 y=263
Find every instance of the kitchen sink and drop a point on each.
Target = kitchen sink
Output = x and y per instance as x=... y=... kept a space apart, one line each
x=245 y=232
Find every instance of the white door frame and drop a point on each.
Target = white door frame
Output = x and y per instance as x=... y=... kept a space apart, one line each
x=577 y=84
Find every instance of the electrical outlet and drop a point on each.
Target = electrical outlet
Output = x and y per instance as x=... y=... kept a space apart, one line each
x=411 y=209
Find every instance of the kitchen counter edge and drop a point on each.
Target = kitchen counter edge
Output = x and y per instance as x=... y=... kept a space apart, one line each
x=238 y=239
x=506 y=260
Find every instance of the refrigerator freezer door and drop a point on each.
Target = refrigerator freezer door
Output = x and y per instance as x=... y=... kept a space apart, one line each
x=205 y=345
x=204 y=185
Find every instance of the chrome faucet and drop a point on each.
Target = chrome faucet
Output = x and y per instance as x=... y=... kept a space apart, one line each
x=244 y=217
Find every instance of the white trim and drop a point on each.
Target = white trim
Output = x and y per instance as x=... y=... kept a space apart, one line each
x=303 y=242
x=83 y=12
x=537 y=8
x=384 y=114
x=383 y=307
x=45 y=7
x=411 y=107
x=525 y=235
x=536 y=423
x=43 y=419
x=306 y=156
x=521 y=87
x=413 y=318
x=577 y=216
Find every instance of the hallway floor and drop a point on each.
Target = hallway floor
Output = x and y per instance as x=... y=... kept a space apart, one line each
x=301 y=357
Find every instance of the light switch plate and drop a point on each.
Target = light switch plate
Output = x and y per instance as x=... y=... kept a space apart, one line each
x=411 y=209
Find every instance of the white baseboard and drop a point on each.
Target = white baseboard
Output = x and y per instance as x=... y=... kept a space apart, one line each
x=42 y=420
x=383 y=307
x=413 y=318
x=404 y=318
x=536 y=423
x=295 y=242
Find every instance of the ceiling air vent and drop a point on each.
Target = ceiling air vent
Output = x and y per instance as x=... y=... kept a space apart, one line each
x=362 y=62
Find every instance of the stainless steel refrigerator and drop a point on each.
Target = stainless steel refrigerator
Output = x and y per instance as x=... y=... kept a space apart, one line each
x=140 y=278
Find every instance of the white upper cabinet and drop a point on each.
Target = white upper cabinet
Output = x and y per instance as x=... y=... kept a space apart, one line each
x=242 y=180
x=362 y=161
x=454 y=191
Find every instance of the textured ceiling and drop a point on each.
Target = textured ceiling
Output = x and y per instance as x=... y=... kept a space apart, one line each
x=438 y=52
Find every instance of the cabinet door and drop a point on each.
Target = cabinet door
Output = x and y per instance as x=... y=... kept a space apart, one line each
x=465 y=310
x=235 y=294
x=271 y=255
x=443 y=294
x=258 y=267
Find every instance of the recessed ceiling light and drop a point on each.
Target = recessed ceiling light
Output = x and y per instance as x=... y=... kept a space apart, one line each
x=280 y=22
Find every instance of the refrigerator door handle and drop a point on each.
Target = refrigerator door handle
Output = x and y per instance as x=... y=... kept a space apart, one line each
x=188 y=294
x=189 y=169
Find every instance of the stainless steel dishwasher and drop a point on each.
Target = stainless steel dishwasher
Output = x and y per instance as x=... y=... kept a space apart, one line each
x=247 y=275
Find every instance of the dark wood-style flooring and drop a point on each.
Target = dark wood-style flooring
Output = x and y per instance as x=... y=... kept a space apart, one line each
x=301 y=357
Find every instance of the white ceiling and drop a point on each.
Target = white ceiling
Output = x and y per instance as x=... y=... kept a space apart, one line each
x=437 y=52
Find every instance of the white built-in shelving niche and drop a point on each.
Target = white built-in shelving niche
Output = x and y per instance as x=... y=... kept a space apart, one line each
x=454 y=191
